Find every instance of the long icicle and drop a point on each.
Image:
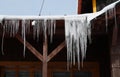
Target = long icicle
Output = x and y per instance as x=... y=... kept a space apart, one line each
x=51 y=30
x=54 y=24
x=24 y=36
x=115 y=17
x=76 y=33
x=106 y=19
x=2 y=44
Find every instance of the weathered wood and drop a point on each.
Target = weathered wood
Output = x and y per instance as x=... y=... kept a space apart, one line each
x=79 y=6
x=31 y=48
x=55 y=51
x=45 y=50
x=115 y=36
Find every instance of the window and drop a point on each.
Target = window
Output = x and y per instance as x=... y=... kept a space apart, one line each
x=9 y=73
x=38 y=74
x=82 y=74
x=24 y=74
x=61 y=74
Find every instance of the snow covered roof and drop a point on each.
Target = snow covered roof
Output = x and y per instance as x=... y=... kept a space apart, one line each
x=89 y=15
x=77 y=29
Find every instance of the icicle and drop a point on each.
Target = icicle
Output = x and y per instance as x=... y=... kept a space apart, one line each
x=78 y=53
x=17 y=26
x=54 y=24
x=2 y=44
x=51 y=30
x=45 y=28
x=11 y=28
x=111 y=12
x=38 y=30
x=106 y=19
x=51 y=24
x=24 y=36
x=76 y=32
x=67 y=37
x=115 y=17
x=34 y=29
x=27 y=27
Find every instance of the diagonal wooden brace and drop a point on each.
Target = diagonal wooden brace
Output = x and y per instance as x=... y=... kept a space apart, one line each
x=56 y=51
x=31 y=48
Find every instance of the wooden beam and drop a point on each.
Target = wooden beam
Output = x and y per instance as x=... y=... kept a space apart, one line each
x=30 y=47
x=79 y=6
x=55 y=51
x=45 y=50
x=19 y=63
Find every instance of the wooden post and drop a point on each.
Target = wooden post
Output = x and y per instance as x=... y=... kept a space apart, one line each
x=45 y=50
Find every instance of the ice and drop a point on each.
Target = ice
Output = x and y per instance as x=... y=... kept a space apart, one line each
x=44 y=26
x=24 y=35
x=115 y=16
x=106 y=19
x=76 y=33
x=2 y=44
x=10 y=27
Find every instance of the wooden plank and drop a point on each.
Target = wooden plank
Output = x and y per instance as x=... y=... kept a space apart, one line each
x=18 y=63
x=45 y=50
x=79 y=6
x=31 y=48
x=56 y=51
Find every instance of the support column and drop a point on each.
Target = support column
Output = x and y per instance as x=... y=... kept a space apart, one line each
x=45 y=50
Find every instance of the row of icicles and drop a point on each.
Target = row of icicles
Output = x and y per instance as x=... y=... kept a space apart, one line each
x=77 y=31
x=13 y=27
